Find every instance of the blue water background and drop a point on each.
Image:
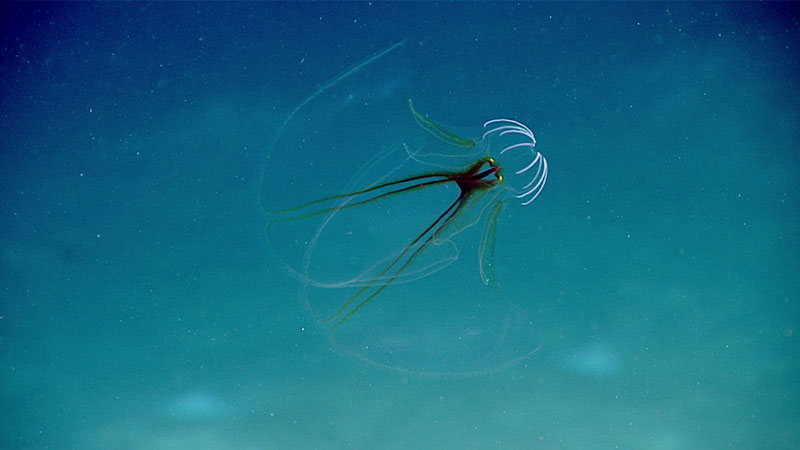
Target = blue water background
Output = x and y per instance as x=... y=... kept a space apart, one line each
x=141 y=306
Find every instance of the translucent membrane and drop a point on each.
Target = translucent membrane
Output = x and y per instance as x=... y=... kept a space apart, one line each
x=388 y=219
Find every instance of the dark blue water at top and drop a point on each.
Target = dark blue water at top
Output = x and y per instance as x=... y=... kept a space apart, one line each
x=141 y=305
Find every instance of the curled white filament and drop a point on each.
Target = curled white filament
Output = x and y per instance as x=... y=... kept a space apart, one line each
x=534 y=187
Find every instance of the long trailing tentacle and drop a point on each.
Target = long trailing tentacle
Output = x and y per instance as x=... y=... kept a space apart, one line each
x=333 y=204
x=430 y=232
x=357 y=198
x=469 y=182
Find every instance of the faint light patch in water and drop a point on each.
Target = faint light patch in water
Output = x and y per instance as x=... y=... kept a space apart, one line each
x=596 y=359
x=196 y=406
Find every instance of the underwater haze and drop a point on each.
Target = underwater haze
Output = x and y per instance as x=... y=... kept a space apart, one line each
x=295 y=226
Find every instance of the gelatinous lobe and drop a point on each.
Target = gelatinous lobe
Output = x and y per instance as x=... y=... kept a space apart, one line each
x=437 y=130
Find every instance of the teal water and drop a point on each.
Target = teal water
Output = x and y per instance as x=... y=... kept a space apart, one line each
x=142 y=304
